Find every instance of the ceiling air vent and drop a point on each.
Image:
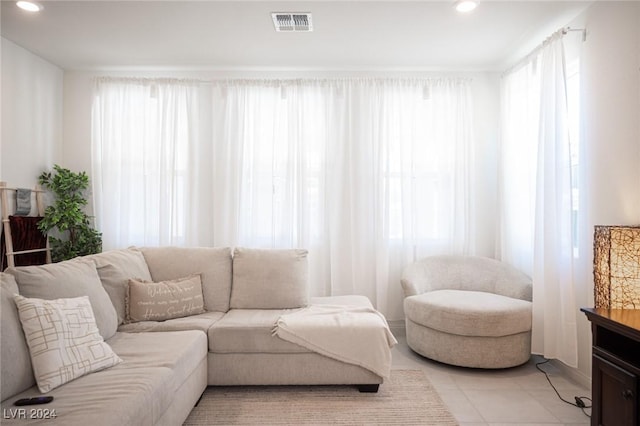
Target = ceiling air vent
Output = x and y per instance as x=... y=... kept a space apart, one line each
x=292 y=21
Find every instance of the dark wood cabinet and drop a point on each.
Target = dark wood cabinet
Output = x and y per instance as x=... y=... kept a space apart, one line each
x=616 y=366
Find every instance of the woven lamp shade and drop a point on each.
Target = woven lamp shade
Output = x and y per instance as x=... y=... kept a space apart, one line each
x=616 y=267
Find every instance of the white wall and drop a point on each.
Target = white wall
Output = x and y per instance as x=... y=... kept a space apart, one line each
x=610 y=194
x=31 y=135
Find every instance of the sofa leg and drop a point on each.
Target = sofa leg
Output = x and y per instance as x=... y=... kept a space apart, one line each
x=368 y=388
x=200 y=399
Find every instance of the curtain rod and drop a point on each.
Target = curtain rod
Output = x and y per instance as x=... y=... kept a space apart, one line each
x=285 y=81
x=562 y=31
x=583 y=30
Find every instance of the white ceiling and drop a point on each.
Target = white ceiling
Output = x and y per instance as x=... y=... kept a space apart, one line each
x=392 y=34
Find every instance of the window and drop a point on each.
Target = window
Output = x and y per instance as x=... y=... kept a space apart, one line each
x=142 y=146
x=367 y=174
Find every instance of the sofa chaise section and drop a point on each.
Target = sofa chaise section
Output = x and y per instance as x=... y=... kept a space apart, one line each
x=243 y=350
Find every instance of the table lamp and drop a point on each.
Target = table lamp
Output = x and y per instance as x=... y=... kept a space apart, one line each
x=616 y=267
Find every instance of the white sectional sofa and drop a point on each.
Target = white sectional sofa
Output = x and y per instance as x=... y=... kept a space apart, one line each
x=226 y=336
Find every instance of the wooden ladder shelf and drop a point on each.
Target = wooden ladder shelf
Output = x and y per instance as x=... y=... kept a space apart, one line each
x=4 y=199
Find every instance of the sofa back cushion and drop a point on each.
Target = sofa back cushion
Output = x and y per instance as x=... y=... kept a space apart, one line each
x=470 y=273
x=213 y=264
x=270 y=279
x=71 y=278
x=116 y=268
x=15 y=363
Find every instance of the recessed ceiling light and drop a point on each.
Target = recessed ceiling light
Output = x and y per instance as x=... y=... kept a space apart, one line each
x=465 y=6
x=29 y=6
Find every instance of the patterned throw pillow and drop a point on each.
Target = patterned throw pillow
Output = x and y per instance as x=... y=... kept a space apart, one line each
x=149 y=301
x=63 y=340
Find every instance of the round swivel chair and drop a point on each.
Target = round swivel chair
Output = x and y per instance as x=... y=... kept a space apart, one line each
x=468 y=311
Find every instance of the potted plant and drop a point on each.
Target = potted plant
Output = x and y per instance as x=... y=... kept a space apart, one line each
x=66 y=215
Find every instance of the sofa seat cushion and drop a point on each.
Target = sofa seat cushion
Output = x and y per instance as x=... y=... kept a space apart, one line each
x=123 y=397
x=348 y=300
x=179 y=351
x=200 y=322
x=137 y=391
x=250 y=331
x=469 y=313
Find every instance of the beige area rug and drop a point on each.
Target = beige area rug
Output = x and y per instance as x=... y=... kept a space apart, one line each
x=406 y=399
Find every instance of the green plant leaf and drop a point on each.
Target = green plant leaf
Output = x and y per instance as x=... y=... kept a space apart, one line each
x=67 y=215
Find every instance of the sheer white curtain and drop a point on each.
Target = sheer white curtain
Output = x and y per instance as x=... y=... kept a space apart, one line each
x=367 y=174
x=145 y=141
x=537 y=229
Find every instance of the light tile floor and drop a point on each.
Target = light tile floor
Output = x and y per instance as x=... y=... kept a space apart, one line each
x=514 y=396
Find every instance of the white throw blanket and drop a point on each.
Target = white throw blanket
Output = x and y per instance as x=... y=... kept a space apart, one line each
x=352 y=334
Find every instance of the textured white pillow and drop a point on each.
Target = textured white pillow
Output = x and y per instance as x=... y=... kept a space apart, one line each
x=63 y=339
x=149 y=301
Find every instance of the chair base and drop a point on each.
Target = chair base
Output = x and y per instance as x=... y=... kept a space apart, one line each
x=469 y=351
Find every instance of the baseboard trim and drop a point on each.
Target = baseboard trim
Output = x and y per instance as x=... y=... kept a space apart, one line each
x=573 y=373
x=397 y=327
